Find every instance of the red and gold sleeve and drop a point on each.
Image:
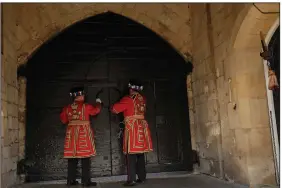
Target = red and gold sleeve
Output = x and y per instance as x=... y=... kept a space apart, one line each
x=121 y=106
x=64 y=116
x=93 y=109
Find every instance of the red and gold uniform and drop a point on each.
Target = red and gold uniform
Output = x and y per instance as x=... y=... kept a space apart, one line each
x=137 y=136
x=79 y=140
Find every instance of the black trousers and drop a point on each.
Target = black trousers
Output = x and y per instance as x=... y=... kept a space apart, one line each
x=72 y=166
x=136 y=165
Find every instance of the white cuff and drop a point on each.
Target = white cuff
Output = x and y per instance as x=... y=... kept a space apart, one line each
x=98 y=100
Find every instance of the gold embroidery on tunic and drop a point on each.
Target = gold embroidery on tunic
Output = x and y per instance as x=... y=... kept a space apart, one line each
x=75 y=114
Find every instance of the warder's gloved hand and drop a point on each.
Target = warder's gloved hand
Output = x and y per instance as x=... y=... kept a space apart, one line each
x=98 y=100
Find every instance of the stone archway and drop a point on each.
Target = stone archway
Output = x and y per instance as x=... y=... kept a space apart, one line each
x=39 y=22
x=273 y=97
x=229 y=92
x=116 y=48
x=249 y=91
x=27 y=26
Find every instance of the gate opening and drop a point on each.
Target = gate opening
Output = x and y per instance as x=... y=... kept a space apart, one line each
x=103 y=52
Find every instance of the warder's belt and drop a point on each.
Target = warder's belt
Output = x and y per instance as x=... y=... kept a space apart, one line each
x=135 y=117
x=79 y=122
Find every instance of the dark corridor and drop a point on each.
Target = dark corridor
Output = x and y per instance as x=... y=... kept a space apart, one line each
x=103 y=52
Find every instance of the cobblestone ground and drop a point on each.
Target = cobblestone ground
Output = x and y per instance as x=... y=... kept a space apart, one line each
x=191 y=181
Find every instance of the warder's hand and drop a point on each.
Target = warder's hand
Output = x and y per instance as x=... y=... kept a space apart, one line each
x=98 y=100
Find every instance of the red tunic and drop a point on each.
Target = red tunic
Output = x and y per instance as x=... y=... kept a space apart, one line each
x=79 y=140
x=137 y=136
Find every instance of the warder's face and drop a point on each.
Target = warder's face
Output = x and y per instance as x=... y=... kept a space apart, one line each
x=79 y=98
x=132 y=91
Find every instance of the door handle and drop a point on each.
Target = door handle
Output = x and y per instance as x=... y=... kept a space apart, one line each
x=99 y=92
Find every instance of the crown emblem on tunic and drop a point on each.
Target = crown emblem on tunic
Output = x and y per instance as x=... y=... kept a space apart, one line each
x=75 y=116
x=141 y=107
x=74 y=106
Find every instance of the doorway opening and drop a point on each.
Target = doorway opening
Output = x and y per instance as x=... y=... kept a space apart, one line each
x=102 y=53
x=274 y=95
x=274 y=49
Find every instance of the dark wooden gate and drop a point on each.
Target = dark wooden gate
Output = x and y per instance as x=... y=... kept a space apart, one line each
x=103 y=53
x=109 y=159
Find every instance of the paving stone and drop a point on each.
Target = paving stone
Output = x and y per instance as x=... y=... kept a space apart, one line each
x=191 y=181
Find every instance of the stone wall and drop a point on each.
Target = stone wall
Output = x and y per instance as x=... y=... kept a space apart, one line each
x=253 y=152
x=33 y=24
x=22 y=116
x=9 y=104
x=229 y=92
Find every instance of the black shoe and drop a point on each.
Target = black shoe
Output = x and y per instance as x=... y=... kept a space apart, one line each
x=72 y=183
x=89 y=184
x=140 y=181
x=130 y=183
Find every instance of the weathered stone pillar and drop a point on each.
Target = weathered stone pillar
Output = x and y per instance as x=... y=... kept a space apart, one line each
x=22 y=116
x=10 y=126
x=206 y=126
x=191 y=111
x=249 y=121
